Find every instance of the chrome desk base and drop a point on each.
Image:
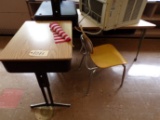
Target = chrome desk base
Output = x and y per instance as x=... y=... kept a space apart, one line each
x=44 y=83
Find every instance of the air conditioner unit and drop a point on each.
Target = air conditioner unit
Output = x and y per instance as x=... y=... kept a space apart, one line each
x=111 y=14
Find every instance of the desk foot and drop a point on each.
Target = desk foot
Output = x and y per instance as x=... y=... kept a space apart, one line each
x=50 y=104
x=44 y=83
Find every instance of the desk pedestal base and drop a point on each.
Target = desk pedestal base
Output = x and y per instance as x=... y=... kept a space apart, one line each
x=44 y=83
x=50 y=104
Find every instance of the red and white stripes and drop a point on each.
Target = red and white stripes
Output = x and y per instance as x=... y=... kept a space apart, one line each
x=58 y=33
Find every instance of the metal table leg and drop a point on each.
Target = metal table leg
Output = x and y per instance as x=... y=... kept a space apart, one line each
x=44 y=82
x=140 y=43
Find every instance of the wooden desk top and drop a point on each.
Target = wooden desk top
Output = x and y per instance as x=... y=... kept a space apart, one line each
x=86 y=23
x=37 y=36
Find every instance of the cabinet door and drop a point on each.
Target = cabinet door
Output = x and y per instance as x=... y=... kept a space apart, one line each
x=11 y=22
x=13 y=6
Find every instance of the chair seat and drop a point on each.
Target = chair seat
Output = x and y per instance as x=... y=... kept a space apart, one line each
x=106 y=56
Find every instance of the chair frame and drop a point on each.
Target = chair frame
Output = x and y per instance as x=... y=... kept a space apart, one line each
x=87 y=46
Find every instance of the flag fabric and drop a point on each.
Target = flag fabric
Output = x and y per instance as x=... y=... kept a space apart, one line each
x=58 y=33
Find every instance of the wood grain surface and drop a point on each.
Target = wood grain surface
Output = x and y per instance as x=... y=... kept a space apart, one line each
x=38 y=36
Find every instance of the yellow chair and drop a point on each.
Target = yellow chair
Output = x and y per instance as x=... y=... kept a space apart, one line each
x=103 y=56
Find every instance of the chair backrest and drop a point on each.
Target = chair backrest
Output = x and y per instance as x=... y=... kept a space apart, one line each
x=86 y=42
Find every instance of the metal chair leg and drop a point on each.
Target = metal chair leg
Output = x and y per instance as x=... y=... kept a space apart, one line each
x=81 y=49
x=123 y=76
x=82 y=59
x=90 y=79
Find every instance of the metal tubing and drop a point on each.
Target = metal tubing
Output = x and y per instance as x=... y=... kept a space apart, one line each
x=123 y=76
x=44 y=82
x=140 y=43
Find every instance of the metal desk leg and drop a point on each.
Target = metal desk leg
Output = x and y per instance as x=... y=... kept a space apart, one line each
x=44 y=82
x=140 y=42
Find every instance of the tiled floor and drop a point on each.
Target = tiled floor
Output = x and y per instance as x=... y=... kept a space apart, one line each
x=138 y=99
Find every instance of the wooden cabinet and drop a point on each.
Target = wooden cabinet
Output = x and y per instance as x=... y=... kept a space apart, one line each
x=12 y=15
x=152 y=12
